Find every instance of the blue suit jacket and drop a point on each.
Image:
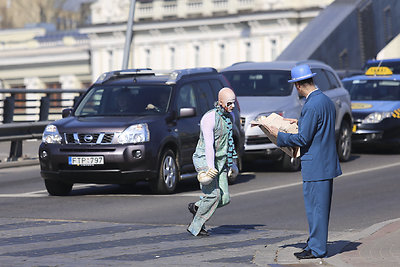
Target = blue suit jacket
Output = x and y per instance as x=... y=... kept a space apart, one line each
x=316 y=139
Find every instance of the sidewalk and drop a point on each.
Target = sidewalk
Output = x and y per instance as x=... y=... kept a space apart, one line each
x=378 y=245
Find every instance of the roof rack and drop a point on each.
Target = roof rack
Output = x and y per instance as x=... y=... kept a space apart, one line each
x=118 y=73
x=178 y=74
x=242 y=62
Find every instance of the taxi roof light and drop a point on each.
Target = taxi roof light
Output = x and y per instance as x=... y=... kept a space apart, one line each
x=378 y=71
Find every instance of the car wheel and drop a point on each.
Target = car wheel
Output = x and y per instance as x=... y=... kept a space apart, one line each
x=344 y=142
x=57 y=188
x=168 y=173
x=290 y=164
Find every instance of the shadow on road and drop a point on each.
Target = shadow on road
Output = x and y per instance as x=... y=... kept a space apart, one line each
x=334 y=248
x=233 y=229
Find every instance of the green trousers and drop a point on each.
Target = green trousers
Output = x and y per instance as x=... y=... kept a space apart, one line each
x=216 y=195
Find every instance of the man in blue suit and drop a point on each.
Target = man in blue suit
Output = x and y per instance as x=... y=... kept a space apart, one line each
x=319 y=159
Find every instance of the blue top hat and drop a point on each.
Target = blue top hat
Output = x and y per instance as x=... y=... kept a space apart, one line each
x=301 y=72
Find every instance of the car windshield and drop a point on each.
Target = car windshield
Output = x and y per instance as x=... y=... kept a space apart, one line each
x=125 y=101
x=260 y=83
x=379 y=90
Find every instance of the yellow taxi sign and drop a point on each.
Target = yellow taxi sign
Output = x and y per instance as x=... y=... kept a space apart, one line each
x=378 y=71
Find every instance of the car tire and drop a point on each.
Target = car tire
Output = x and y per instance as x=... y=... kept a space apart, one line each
x=344 y=142
x=168 y=174
x=57 y=188
x=290 y=164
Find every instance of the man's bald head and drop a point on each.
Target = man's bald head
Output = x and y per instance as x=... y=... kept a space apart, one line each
x=226 y=98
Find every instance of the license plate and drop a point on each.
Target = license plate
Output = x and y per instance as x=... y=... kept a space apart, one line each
x=354 y=128
x=86 y=161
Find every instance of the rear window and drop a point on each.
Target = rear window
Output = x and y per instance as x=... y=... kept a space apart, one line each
x=125 y=101
x=260 y=83
x=378 y=90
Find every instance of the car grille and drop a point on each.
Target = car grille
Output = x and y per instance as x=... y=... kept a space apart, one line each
x=85 y=150
x=257 y=140
x=88 y=138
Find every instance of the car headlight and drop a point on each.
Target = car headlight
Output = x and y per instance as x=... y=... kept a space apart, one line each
x=137 y=133
x=377 y=117
x=51 y=135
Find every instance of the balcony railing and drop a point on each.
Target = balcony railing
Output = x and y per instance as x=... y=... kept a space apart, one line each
x=26 y=112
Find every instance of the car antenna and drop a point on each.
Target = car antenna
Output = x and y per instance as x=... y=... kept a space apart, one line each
x=379 y=65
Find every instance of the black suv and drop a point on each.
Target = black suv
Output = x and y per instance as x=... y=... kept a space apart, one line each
x=132 y=125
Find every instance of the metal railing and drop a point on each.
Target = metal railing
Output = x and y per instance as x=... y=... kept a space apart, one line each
x=26 y=112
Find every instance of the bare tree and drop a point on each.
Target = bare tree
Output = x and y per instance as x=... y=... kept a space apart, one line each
x=21 y=12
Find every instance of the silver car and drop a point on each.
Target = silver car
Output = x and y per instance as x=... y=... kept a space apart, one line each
x=263 y=88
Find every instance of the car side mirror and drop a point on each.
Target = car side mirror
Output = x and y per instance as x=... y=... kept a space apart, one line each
x=66 y=112
x=187 y=112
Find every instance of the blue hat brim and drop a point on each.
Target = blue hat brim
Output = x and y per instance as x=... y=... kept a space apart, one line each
x=302 y=78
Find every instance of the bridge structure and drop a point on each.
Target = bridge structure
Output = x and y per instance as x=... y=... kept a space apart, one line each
x=347 y=33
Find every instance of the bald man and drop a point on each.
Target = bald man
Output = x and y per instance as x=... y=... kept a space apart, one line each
x=214 y=161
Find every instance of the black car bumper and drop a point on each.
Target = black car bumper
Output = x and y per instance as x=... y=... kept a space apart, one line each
x=121 y=163
x=386 y=132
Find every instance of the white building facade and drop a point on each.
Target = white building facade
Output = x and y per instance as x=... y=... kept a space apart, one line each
x=167 y=34
x=196 y=33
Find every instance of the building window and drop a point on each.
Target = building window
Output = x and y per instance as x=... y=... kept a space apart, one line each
x=273 y=49
x=148 y=58
x=344 y=60
x=387 y=23
x=222 y=55
x=196 y=55
x=172 y=51
x=248 y=51
x=110 y=60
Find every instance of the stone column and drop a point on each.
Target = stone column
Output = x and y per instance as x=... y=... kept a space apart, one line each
x=69 y=82
x=32 y=83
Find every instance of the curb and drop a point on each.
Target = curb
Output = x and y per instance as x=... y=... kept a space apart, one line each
x=282 y=253
x=19 y=163
x=356 y=236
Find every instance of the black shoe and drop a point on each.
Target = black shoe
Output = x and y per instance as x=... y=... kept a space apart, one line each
x=192 y=208
x=203 y=232
x=305 y=254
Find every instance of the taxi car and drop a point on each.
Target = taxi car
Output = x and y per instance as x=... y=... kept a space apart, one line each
x=375 y=99
x=393 y=64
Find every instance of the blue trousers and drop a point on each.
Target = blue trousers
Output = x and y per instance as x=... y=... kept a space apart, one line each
x=317 y=200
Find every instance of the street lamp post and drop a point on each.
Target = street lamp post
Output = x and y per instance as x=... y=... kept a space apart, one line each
x=129 y=33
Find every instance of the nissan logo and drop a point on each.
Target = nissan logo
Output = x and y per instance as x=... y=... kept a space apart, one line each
x=88 y=138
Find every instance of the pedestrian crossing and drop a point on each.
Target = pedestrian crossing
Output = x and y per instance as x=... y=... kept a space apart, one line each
x=28 y=242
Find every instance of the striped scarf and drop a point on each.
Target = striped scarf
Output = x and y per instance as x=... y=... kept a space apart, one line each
x=231 y=145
